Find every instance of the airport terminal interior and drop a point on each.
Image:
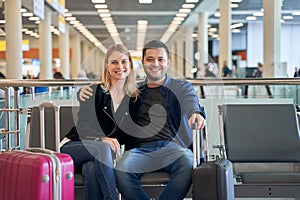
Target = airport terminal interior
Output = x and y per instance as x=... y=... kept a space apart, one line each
x=242 y=58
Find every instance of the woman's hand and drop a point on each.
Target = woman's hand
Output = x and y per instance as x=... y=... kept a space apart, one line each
x=85 y=92
x=113 y=143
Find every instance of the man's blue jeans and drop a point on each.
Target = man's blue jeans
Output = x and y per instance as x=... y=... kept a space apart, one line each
x=95 y=160
x=159 y=155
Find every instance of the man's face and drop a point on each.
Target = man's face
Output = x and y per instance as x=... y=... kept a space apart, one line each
x=156 y=64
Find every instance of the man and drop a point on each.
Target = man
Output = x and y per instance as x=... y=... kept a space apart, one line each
x=164 y=116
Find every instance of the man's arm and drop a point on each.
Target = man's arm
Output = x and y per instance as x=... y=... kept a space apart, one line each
x=85 y=92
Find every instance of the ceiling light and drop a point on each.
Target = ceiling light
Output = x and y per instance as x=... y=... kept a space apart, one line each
x=296 y=13
x=2 y=21
x=288 y=17
x=236 y=1
x=212 y=29
x=176 y=22
x=98 y=6
x=145 y=1
x=68 y=15
x=236 y=30
x=105 y=15
x=233 y=26
x=103 y=11
x=217 y=14
x=27 y=14
x=188 y=5
x=258 y=14
x=181 y=15
x=33 y=18
x=142 y=22
x=178 y=19
x=251 y=18
x=70 y=18
x=192 y=1
x=98 y=1
x=185 y=10
x=234 y=5
x=107 y=19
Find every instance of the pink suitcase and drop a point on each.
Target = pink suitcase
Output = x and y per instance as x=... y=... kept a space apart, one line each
x=35 y=176
x=37 y=173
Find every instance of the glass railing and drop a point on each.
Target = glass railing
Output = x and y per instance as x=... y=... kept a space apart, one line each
x=211 y=91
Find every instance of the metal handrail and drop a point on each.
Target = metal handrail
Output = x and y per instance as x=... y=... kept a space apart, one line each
x=39 y=82
x=245 y=81
x=196 y=82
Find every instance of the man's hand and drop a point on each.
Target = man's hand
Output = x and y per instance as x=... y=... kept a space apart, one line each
x=113 y=143
x=199 y=119
x=85 y=92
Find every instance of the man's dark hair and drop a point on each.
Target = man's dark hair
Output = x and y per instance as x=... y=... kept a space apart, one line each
x=155 y=44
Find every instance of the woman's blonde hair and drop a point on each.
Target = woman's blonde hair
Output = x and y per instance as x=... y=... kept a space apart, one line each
x=130 y=87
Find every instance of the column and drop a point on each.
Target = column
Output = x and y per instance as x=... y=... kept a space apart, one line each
x=86 y=56
x=272 y=28
x=64 y=52
x=179 y=55
x=172 y=49
x=99 y=66
x=76 y=55
x=45 y=46
x=225 y=35
x=202 y=41
x=13 y=37
x=189 y=51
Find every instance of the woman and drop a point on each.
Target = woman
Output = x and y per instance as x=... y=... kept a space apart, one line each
x=100 y=118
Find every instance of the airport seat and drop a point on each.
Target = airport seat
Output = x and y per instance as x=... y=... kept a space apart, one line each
x=153 y=183
x=263 y=143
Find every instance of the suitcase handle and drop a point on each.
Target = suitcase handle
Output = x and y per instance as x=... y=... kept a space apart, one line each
x=42 y=106
x=40 y=150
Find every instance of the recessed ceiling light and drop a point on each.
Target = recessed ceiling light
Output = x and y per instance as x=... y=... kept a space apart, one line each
x=192 y=1
x=98 y=6
x=234 y=5
x=145 y=1
x=188 y=5
x=250 y=18
x=98 y=1
x=236 y=30
x=258 y=14
x=288 y=17
x=296 y=13
x=184 y=10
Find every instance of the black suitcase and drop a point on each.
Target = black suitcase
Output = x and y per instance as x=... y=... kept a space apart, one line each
x=213 y=180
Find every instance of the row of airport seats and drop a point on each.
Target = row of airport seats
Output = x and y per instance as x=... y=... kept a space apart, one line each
x=261 y=140
x=153 y=183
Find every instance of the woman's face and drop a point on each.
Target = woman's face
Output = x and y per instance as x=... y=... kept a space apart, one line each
x=118 y=66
